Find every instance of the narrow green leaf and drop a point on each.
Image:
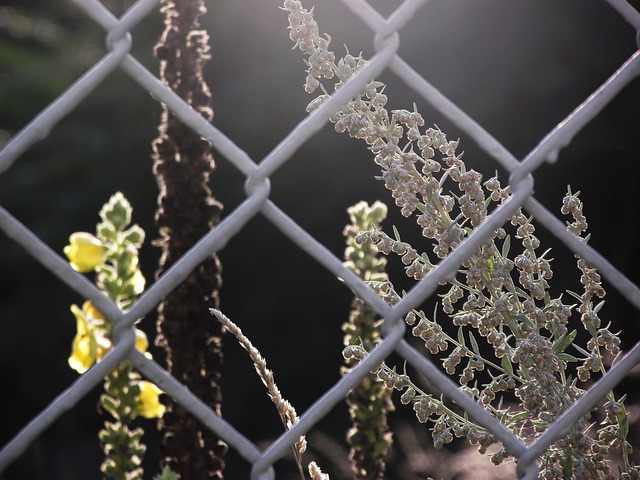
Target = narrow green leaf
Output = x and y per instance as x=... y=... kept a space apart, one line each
x=396 y=233
x=563 y=342
x=518 y=416
x=581 y=350
x=506 y=246
x=474 y=344
x=461 y=337
x=506 y=365
x=575 y=295
x=568 y=358
x=623 y=421
x=375 y=84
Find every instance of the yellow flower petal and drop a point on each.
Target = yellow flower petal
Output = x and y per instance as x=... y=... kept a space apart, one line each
x=81 y=359
x=81 y=356
x=91 y=311
x=91 y=342
x=138 y=281
x=85 y=252
x=142 y=343
x=149 y=405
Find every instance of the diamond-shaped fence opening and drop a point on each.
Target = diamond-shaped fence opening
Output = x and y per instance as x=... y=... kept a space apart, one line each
x=389 y=61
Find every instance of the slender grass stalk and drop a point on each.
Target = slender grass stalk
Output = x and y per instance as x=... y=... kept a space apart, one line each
x=287 y=413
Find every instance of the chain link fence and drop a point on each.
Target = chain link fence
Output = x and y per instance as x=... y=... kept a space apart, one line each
x=386 y=34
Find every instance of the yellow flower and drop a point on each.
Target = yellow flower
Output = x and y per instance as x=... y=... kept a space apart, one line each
x=149 y=405
x=90 y=343
x=85 y=252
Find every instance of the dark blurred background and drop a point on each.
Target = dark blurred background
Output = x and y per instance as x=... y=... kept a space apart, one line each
x=518 y=68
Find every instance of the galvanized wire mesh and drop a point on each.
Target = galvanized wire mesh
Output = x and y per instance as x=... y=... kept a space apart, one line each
x=257 y=187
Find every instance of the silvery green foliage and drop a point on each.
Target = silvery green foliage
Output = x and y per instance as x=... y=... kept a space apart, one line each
x=508 y=324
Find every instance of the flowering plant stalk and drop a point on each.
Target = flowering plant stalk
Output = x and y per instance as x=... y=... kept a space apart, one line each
x=113 y=254
x=503 y=297
x=369 y=435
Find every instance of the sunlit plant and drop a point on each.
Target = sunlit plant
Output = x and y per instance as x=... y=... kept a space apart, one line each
x=499 y=299
x=112 y=253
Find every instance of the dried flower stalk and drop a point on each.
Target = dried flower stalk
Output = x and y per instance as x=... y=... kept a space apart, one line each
x=186 y=212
